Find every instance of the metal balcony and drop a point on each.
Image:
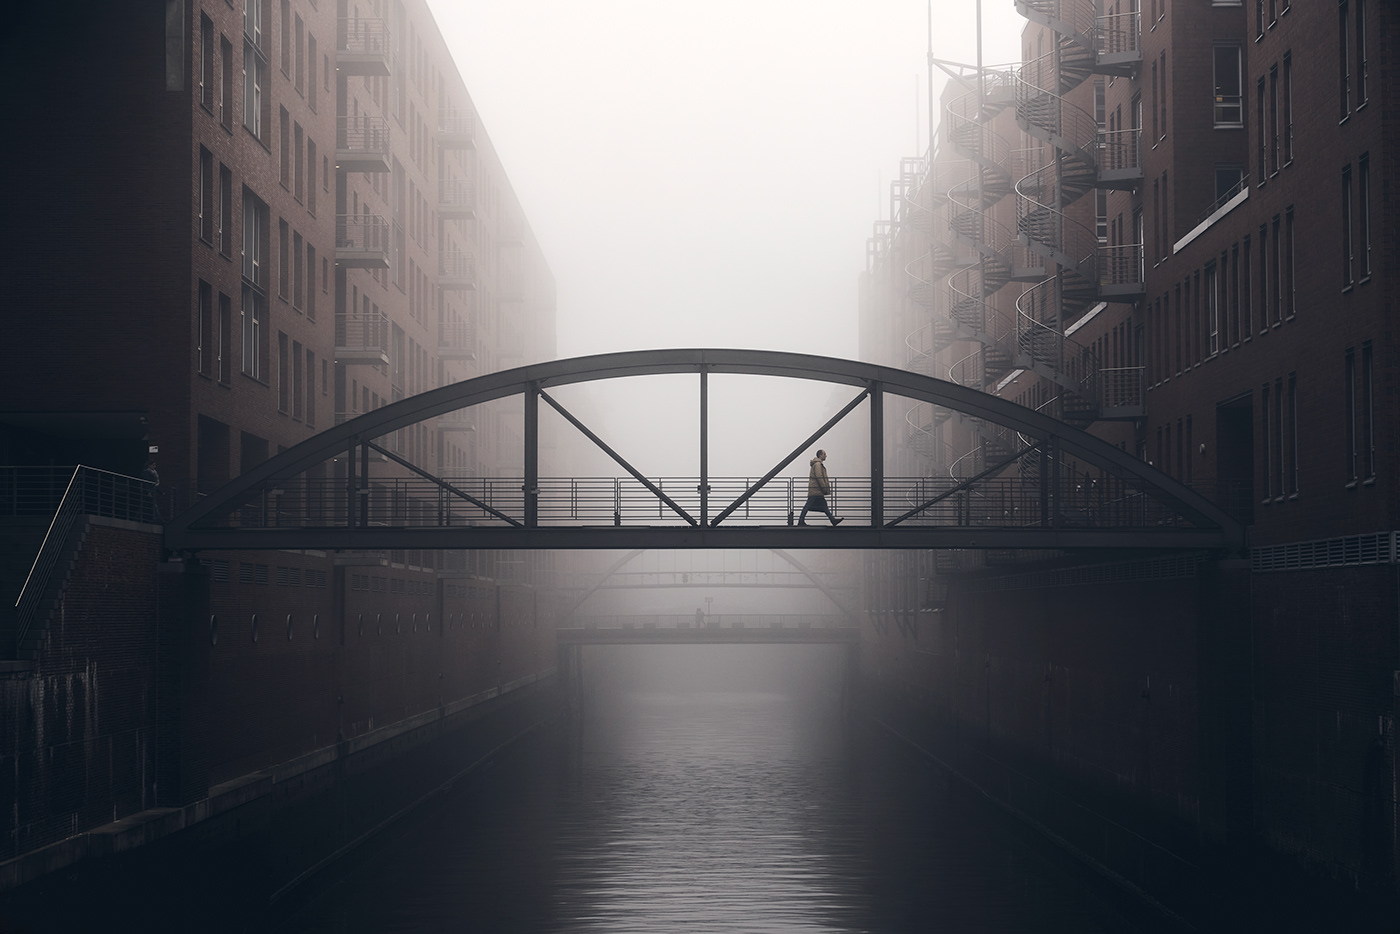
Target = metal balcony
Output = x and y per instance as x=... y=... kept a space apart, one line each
x=361 y=338
x=1121 y=272
x=456 y=270
x=362 y=144
x=362 y=241
x=460 y=420
x=457 y=129
x=457 y=199
x=457 y=340
x=362 y=46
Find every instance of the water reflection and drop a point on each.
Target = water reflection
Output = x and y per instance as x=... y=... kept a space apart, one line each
x=674 y=806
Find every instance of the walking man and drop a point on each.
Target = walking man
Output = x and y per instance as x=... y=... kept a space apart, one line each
x=818 y=486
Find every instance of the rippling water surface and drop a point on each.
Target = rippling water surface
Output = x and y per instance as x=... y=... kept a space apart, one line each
x=676 y=806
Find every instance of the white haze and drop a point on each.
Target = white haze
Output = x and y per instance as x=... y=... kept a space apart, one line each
x=706 y=174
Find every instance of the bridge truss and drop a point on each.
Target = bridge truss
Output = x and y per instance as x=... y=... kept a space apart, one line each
x=1106 y=499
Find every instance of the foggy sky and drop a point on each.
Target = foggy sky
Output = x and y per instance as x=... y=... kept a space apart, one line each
x=706 y=174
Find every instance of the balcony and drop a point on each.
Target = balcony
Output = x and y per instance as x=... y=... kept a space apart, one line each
x=362 y=144
x=1121 y=272
x=456 y=270
x=1122 y=392
x=460 y=420
x=457 y=129
x=362 y=46
x=360 y=339
x=457 y=340
x=362 y=241
x=457 y=199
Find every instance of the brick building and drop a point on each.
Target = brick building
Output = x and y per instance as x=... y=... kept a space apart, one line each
x=1168 y=225
x=233 y=225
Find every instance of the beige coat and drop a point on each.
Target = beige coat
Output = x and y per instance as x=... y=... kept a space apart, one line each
x=817 y=482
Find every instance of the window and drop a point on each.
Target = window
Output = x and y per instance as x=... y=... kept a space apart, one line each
x=299 y=166
x=1156 y=134
x=299 y=77
x=1262 y=134
x=204 y=330
x=254 y=333
x=223 y=350
x=286 y=22
x=1279 y=272
x=311 y=176
x=254 y=239
x=1368 y=412
x=311 y=85
x=310 y=388
x=1228 y=103
x=1344 y=58
x=298 y=270
x=284 y=144
x=1229 y=180
x=1212 y=312
x=206 y=195
x=283 y=377
x=206 y=63
x=1288 y=109
x=1349 y=392
x=1290 y=441
x=1361 y=63
x=1279 y=441
x=1166 y=213
x=1273 y=121
x=1244 y=271
x=1166 y=90
x=297 y=381
x=1232 y=282
x=310 y=282
x=1270 y=442
x=226 y=83
x=225 y=210
x=1348 y=248
x=1263 y=279
x=1286 y=248
x=254 y=77
x=284 y=266
x=1363 y=202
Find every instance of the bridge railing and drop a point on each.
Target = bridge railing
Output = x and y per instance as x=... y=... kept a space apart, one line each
x=714 y=621
x=996 y=501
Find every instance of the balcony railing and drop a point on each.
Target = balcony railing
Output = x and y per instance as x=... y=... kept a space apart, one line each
x=457 y=340
x=457 y=199
x=1120 y=270
x=362 y=144
x=362 y=46
x=362 y=241
x=460 y=420
x=457 y=128
x=1122 y=389
x=361 y=338
x=456 y=270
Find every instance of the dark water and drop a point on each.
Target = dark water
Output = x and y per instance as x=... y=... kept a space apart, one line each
x=729 y=797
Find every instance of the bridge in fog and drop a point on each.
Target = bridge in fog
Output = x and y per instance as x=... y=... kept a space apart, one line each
x=1048 y=484
x=746 y=630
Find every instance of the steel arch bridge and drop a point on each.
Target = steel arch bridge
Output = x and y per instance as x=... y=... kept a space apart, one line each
x=288 y=501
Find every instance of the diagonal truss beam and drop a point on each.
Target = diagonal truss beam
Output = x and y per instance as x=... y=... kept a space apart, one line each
x=637 y=474
x=796 y=452
x=967 y=483
x=811 y=576
x=443 y=484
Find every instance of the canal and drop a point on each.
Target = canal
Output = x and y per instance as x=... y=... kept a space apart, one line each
x=705 y=789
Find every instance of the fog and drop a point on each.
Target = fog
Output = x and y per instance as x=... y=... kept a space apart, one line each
x=707 y=175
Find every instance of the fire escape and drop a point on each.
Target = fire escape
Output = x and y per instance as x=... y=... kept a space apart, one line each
x=1080 y=157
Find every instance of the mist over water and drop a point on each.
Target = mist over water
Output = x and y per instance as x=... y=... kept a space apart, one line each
x=702 y=789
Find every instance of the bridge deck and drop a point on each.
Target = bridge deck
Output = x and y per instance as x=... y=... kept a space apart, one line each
x=843 y=635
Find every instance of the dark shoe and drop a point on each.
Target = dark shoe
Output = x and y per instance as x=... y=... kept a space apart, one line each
x=801 y=521
x=836 y=522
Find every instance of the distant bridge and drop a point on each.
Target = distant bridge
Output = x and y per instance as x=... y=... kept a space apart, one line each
x=751 y=630
x=289 y=503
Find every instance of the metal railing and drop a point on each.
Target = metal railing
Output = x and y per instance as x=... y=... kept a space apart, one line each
x=457 y=265
x=363 y=135
x=458 y=123
x=361 y=233
x=997 y=501
x=362 y=35
x=90 y=492
x=714 y=621
x=362 y=333
x=1122 y=387
x=457 y=338
x=457 y=193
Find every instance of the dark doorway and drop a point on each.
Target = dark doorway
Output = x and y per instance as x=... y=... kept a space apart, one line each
x=1234 y=457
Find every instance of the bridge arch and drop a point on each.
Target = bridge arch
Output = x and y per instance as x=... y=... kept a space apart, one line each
x=1140 y=507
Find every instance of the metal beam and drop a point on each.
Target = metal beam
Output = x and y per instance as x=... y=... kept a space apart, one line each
x=877 y=455
x=704 y=447
x=844 y=635
x=685 y=536
x=531 y=487
x=442 y=483
x=637 y=474
x=796 y=452
x=828 y=592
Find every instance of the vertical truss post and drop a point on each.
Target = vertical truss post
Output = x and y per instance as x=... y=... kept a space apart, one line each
x=364 y=486
x=532 y=456
x=1054 y=449
x=877 y=455
x=350 y=492
x=1045 y=483
x=704 y=447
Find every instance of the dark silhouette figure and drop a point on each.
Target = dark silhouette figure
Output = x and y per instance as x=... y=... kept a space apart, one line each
x=818 y=486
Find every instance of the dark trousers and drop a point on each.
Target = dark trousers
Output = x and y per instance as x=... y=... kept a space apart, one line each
x=816 y=504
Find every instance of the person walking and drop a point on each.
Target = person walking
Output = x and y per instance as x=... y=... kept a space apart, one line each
x=818 y=486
